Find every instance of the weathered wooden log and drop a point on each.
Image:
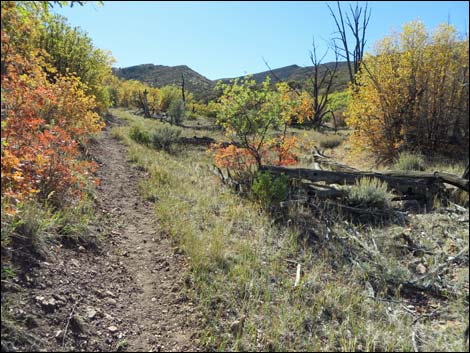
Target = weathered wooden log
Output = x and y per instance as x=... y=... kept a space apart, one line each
x=404 y=182
x=195 y=140
x=422 y=189
x=322 y=192
x=327 y=163
x=451 y=179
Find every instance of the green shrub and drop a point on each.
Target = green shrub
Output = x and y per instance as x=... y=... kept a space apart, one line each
x=330 y=141
x=176 y=111
x=139 y=135
x=165 y=137
x=169 y=94
x=268 y=190
x=410 y=161
x=370 y=192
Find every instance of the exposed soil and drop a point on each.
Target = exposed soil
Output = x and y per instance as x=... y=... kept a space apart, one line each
x=127 y=295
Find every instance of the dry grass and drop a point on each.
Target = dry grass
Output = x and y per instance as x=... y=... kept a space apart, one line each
x=243 y=266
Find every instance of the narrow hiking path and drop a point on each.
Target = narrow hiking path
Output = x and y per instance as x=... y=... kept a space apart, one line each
x=128 y=294
x=159 y=314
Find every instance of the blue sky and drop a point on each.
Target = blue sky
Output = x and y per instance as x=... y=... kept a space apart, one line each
x=228 y=39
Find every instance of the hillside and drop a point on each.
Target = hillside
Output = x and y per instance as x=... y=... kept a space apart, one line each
x=301 y=75
x=160 y=75
x=202 y=87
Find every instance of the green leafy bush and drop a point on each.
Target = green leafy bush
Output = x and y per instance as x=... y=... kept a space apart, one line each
x=370 y=192
x=269 y=190
x=139 y=135
x=165 y=137
x=410 y=161
x=169 y=94
x=176 y=111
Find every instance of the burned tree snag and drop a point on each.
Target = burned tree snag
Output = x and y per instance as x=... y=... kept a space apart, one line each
x=144 y=103
x=182 y=89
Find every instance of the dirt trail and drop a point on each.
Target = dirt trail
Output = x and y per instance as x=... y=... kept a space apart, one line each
x=160 y=321
x=129 y=297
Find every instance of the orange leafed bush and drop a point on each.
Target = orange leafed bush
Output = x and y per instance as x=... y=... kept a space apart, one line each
x=43 y=126
x=278 y=151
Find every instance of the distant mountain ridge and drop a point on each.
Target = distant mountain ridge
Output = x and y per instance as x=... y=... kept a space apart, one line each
x=161 y=75
x=301 y=75
x=203 y=88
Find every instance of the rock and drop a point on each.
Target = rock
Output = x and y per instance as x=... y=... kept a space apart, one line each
x=112 y=329
x=81 y=248
x=77 y=324
x=109 y=294
x=90 y=313
x=58 y=334
x=49 y=305
x=10 y=286
x=99 y=293
x=111 y=301
x=421 y=269
x=59 y=298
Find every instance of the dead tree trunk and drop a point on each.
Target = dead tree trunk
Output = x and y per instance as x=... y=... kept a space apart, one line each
x=182 y=90
x=145 y=104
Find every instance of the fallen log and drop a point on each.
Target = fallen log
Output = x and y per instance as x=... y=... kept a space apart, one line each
x=414 y=185
x=423 y=188
x=322 y=191
x=454 y=180
x=325 y=161
x=195 y=140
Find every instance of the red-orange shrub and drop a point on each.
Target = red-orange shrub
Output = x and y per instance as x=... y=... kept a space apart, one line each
x=42 y=127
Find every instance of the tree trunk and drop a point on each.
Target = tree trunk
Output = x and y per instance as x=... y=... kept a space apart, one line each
x=145 y=105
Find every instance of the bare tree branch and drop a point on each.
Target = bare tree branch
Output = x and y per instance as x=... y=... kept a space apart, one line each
x=357 y=21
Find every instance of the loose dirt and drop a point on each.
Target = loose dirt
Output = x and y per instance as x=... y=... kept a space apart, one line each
x=129 y=294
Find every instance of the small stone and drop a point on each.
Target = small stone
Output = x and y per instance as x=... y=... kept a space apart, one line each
x=112 y=329
x=421 y=269
x=111 y=301
x=90 y=313
x=81 y=248
x=59 y=298
x=110 y=294
x=77 y=325
x=48 y=305
x=58 y=334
